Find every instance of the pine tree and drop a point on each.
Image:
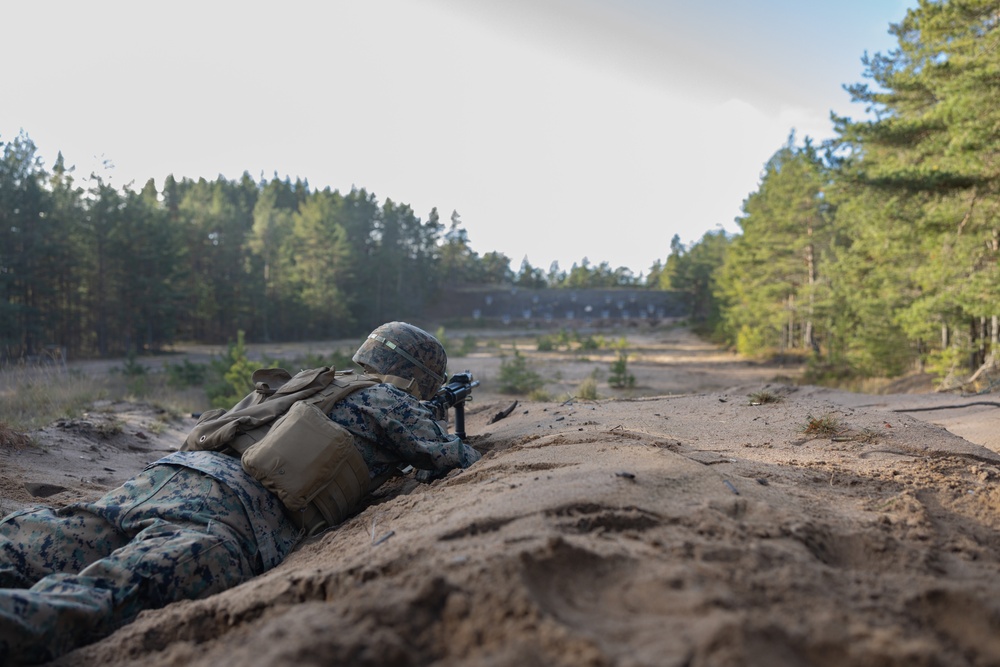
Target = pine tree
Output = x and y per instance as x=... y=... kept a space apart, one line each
x=322 y=255
x=932 y=151
x=770 y=275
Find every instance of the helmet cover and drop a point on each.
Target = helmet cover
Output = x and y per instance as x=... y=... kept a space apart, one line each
x=401 y=349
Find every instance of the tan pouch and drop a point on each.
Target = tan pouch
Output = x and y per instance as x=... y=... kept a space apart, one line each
x=310 y=462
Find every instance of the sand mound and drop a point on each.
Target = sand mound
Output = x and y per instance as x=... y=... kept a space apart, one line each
x=822 y=529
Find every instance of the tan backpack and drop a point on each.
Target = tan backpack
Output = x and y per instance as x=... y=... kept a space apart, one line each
x=286 y=441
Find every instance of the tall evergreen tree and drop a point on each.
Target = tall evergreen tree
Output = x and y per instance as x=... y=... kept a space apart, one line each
x=322 y=265
x=216 y=218
x=458 y=259
x=694 y=272
x=529 y=276
x=932 y=151
x=66 y=312
x=269 y=243
x=24 y=246
x=770 y=275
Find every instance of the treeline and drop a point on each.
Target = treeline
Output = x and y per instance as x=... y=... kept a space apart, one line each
x=104 y=271
x=876 y=253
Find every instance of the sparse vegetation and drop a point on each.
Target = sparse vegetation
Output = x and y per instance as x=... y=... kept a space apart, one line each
x=515 y=376
x=109 y=428
x=868 y=436
x=620 y=378
x=185 y=374
x=539 y=395
x=588 y=389
x=231 y=375
x=157 y=427
x=454 y=350
x=822 y=427
x=763 y=397
x=33 y=397
x=569 y=341
x=11 y=438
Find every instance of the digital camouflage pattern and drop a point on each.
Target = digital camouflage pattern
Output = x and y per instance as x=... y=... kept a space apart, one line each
x=401 y=349
x=190 y=525
x=173 y=532
x=389 y=428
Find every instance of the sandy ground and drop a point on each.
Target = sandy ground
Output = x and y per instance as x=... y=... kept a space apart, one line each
x=681 y=522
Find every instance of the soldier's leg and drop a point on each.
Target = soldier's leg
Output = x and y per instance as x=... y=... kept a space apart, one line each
x=191 y=538
x=40 y=541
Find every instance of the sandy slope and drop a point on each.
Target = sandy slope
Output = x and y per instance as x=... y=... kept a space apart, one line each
x=693 y=529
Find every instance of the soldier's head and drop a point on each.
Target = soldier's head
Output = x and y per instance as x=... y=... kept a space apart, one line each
x=401 y=349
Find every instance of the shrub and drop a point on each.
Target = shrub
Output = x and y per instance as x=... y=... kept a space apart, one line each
x=824 y=426
x=619 y=377
x=546 y=344
x=467 y=345
x=233 y=371
x=131 y=368
x=764 y=396
x=515 y=376
x=540 y=395
x=750 y=341
x=186 y=374
x=135 y=375
x=588 y=389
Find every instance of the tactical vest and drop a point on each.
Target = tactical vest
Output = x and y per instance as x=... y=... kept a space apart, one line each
x=286 y=441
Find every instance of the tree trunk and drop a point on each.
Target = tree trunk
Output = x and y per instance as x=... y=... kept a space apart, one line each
x=808 y=336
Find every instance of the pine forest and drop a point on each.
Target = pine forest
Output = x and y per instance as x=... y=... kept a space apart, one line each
x=874 y=253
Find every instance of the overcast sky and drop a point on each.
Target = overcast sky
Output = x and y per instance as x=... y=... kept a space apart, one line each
x=558 y=129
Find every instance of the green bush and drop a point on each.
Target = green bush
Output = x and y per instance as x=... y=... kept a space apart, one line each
x=469 y=344
x=463 y=349
x=186 y=374
x=540 y=395
x=135 y=375
x=588 y=389
x=945 y=363
x=620 y=378
x=231 y=375
x=750 y=341
x=546 y=344
x=131 y=368
x=515 y=376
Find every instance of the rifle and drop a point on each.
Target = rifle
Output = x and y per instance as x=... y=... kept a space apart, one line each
x=455 y=394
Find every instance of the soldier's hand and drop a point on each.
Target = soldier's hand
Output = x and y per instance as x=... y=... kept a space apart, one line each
x=428 y=476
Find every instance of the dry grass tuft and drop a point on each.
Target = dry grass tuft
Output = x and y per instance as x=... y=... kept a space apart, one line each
x=763 y=397
x=825 y=426
x=11 y=438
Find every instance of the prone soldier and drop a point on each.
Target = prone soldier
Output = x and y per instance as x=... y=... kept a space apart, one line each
x=212 y=515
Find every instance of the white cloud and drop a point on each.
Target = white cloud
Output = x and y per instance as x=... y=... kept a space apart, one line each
x=559 y=130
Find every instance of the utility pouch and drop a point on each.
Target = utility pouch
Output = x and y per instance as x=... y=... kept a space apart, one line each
x=311 y=464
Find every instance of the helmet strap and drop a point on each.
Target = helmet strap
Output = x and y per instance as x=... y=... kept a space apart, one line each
x=409 y=385
x=406 y=355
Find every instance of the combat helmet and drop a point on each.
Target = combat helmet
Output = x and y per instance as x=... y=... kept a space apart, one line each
x=401 y=349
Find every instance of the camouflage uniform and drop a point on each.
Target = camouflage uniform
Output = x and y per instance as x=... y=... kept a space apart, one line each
x=190 y=525
x=390 y=427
